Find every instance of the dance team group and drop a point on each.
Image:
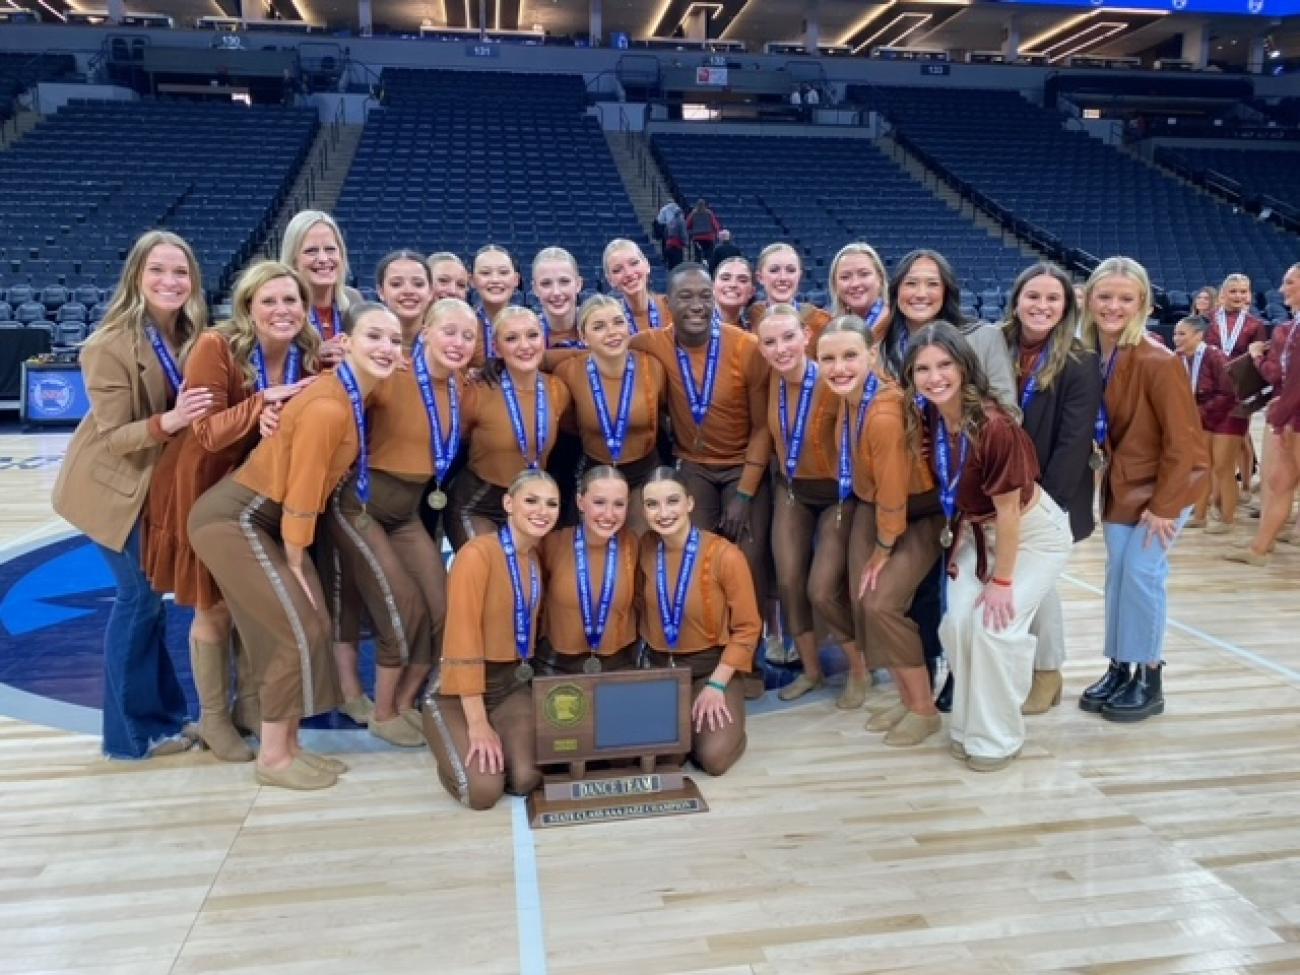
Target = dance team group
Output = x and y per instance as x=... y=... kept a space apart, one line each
x=883 y=475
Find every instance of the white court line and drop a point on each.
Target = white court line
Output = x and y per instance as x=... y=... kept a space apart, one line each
x=528 y=894
x=1247 y=655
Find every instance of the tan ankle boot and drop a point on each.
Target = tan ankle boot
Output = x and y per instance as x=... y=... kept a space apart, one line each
x=211 y=666
x=1044 y=692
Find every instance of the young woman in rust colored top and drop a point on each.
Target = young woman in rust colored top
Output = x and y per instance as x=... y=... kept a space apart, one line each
x=252 y=531
x=403 y=285
x=779 y=272
x=889 y=554
x=708 y=621
x=628 y=273
x=479 y=721
x=988 y=486
x=733 y=289
x=447 y=276
x=254 y=363
x=495 y=278
x=589 y=615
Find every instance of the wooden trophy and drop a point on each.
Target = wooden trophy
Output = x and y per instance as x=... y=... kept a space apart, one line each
x=609 y=719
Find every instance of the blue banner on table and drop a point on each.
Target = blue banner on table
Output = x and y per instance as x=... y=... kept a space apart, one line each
x=54 y=393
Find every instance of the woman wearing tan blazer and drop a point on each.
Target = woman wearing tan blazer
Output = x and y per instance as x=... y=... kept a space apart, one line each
x=1156 y=464
x=137 y=403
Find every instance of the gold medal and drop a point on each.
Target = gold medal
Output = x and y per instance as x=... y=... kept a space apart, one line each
x=437 y=499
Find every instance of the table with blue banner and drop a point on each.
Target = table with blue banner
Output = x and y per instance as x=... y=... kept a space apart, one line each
x=17 y=345
x=53 y=394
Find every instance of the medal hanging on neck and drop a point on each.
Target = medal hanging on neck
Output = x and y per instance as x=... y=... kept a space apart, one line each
x=671 y=614
x=850 y=437
x=613 y=429
x=548 y=331
x=523 y=608
x=594 y=618
x=873 y=316
x=652 y=313
x=442 y=449
x=1031 y=384
x=292 y=367
x=1101 y=426
x=349 y=381
x=1228 y=340
x=165 y=359
x=336 y=322
x=489 y=346
x=1194 y=366
x=700 y=399
x=794 y=438
x=517 y=419
x=949 y=479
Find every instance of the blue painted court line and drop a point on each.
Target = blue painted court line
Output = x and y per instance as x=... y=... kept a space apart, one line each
x=1240 y=652
x=528 y=895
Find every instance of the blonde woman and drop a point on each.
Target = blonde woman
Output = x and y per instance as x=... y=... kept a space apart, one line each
x=628 y=272
x=138 y=402
x=313 y=246
x=779 y=271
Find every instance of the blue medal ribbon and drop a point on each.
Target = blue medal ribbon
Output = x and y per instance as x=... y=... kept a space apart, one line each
x=442 y=448
x=564 y=343
x=652 y=310
x=523 y=609
x=701 y=399
x=336 y=321
x=794 y=438
x=349 y=381
x=595 y=619
x=873 y=317
x=672 y=614
x=1101 y=426
x=949 y=480
x=614 y=430
x=489 y=346
x=850 y=439
x=1031 y=384
x=165 y=359
x=517 y=418
x=292 y=367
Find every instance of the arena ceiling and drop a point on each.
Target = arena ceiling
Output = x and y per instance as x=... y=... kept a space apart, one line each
x=945 y=24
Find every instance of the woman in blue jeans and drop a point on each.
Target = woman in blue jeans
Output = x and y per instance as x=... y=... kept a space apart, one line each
x=137 y=403
x=1147 y=438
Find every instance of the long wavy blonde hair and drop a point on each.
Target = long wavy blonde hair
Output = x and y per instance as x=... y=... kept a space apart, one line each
x=129 y=312
x=240 y=331
x=1118 y=267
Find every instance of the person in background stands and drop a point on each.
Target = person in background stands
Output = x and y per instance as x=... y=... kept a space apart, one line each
x=1207 y=371
x=725 y=248
x=703 y=227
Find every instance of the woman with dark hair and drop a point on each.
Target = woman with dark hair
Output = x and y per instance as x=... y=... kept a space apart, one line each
x=889 y=555
x=1060 y=391
x=924 y=289
x=138 y=402
x=479 y=721
x=733 y=289
x=589 y=618
x=402 y=283
x=987 y=472
x=253 y=529
x=495 y=278
x=703 y=227
x=698 y=609
x=1155 y=468
x=1205 y=302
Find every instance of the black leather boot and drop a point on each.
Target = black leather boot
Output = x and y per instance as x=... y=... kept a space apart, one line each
x=1142 y=697
x=1096 y=695
x=944 y=701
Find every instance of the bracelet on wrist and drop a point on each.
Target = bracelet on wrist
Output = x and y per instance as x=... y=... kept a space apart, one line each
x=717 y=685
x=1004 y=583
x=883 y=547
x=744 y=497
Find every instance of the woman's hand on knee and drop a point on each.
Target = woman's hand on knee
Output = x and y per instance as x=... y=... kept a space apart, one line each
x=710 y=712
x=485 y=743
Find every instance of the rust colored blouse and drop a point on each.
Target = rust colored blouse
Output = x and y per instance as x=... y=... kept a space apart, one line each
x=481 y=621
x=309 y=455
x=398 y=425
x=641 y=319
x=820 y=457
x=1001 y=461
x=886 y=471
x=647 y=402
x=493 y=450
x=562 y=617
x=721 y=608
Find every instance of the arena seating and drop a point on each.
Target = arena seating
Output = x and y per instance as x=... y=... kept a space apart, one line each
x=1260 y=172
x=77 y=190
x=1079 y=191
x=18 y=72
x=458 y=159
x=822 y=193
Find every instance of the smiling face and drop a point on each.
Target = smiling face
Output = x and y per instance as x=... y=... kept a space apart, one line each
x=1290 y=288
x=450 y=340
x=320 y=260
x=1113 y=303
x=627 y=271
x=277 y=312
x=557 y=286
x=779 y=275
x=532 y=508
x=667 y=507
x=603 y=507
x=374 y=346
x=405 y=289
x=448 y=279
x=845 y=361
x=1186 y=339
x=733 y=285
x=920 y=293
x=937 y=377
x=520 y=342
x=606 y=331
x=495 y=279
x=1040 y=306
x=783 y=341
x=1203 y=304
x=165 y=282
x=1235 y=296
x=690 y=301
x=857 y=283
